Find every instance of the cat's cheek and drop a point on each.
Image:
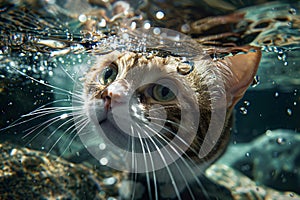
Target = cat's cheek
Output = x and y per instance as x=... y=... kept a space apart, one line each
x=96 y=111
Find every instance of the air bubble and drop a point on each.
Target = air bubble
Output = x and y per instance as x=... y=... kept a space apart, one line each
x=292 y=11
x=147 y=25
x=246 y=103
x=276 y=94
x=243 y=110
x=156 y=31
x=103 y=161
x=133 y=25
x=109 y=181
x=247 y=154
x=160 y=15
x=185 y=28
x=280 y=140
x=289 y=111
x=102 y=146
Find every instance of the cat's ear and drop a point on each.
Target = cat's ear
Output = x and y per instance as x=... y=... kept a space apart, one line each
x=242 y=68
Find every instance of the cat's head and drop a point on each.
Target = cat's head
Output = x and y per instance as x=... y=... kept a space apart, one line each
x=156 y=103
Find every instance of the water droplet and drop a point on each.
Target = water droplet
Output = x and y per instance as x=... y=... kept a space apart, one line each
x=246 y=103
x=133 y=25
x=156 y=31
x=82 y=18
x=243 y=110
x=289 y=111
x=103 y=161
x=185 y=28
x=292 y=11
x=276 y=94
x=102 y=146
x=280 y=140
x=109 y=181
x=160 y=15
x=147 y=25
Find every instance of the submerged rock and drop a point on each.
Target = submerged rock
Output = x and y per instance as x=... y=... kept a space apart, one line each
x=29 y=174
x=26 y=173
x=272 y=159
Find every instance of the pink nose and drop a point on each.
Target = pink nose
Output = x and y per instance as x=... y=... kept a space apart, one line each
x=108 y=98
x=114 y=94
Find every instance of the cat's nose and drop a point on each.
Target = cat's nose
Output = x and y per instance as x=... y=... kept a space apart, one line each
x=106 y=96
x=115 y=94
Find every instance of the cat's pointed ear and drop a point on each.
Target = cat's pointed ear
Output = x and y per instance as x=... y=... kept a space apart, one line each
x=242 y=69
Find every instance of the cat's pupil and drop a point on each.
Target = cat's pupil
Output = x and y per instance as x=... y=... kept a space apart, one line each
x=108 y=75
x=165 y=91
x=161 y=93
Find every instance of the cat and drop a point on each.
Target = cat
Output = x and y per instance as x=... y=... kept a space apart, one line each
x=165 y=117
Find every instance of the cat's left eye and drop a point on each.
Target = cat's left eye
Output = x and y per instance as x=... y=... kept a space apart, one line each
x=162 y=93
x=108 y=74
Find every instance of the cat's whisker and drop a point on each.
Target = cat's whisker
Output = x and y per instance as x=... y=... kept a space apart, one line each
x=83 y=123
x=51 y=110
x=177 y=166
x=147 y=170
x=57 y=129
x=153 y=173
x=181 y=139
x=169 y=121
x=43 y=82
x=133 y=163
x=164 y=161
x=68 y=74
x=184 y=161
x=75 y=95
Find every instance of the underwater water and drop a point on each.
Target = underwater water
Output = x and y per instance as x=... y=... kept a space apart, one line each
x=47 y=46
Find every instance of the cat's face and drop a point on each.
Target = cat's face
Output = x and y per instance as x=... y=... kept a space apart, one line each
x=144 y=102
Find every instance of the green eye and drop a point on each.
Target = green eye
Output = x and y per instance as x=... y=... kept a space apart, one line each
x=108 y=75
x=162 y=93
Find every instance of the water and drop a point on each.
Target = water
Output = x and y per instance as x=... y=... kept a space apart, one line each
x=44 y=45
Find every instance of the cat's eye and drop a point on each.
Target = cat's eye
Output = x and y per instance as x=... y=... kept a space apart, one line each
x=108 y=74
x=162 y=93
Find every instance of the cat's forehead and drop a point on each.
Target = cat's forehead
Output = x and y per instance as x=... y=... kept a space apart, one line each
x=126 y=61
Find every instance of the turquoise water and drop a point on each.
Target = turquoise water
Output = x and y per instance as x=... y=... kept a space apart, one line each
x=43 y=44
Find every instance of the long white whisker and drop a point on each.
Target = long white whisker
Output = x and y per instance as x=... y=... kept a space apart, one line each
x=154 y=175
x=182 y=140
x=133 y=163
x=42 y=82
x=178 y=154
x=53 y=132
x=147 y=171
x=84 y=122
x=68 y=74
x=167 y=167
x=184 y=161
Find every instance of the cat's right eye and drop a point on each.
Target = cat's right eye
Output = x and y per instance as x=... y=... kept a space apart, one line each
x=108 y=74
